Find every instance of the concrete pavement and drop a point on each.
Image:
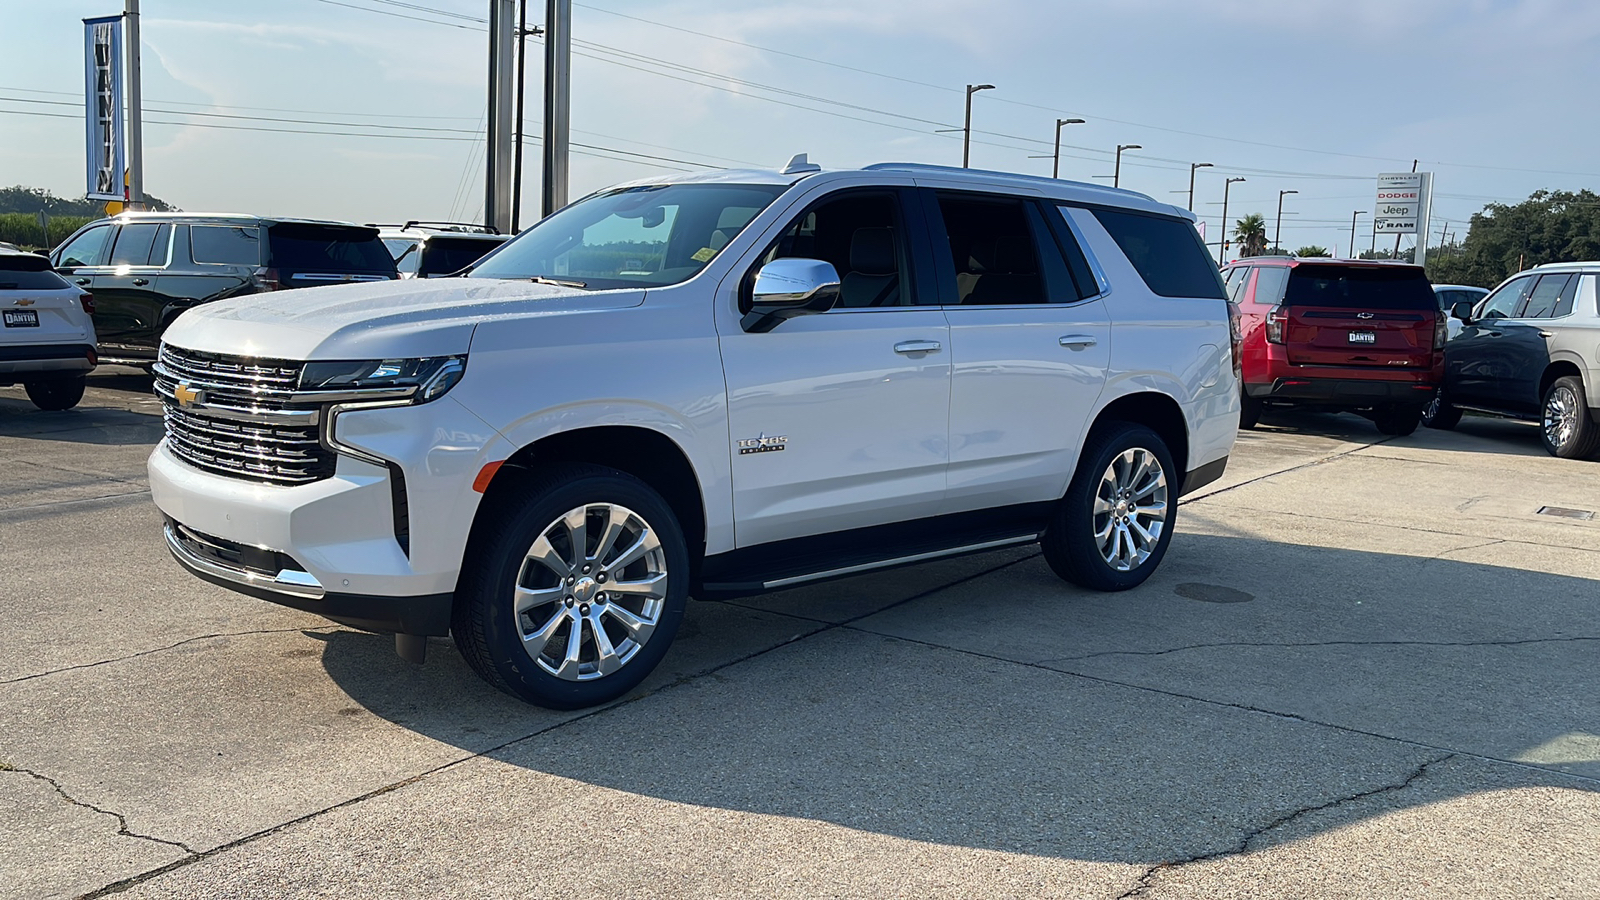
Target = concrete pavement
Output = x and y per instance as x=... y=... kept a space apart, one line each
x=1365 y=668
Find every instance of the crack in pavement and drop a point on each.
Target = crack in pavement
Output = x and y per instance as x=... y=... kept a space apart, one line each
x=1146 y=881
x=15 y=509
x=1416 y=528
x=118 y=887
x=1295 y=468
x=1309 y=644
x=122 y=822
x=327 y=629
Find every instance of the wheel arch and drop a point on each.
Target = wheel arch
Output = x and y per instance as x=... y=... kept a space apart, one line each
x=644 y=453
x=1157 y=411
x=1559 y=368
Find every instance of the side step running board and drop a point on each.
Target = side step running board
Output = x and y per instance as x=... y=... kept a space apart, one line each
x=795 y=580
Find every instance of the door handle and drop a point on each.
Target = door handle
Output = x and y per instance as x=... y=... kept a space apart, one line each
x=141 y=281
x=1078 y=341
x=1547 y=334
x=917 y=347
x=80 y=281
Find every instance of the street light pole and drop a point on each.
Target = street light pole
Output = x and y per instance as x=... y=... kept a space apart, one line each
x=1192 y=167
x=966 y=127
x=1359 y=212
x=1055 y=170
x=1116 y=177
x=1277 y=231
x=1222 y=245
x=135 y=182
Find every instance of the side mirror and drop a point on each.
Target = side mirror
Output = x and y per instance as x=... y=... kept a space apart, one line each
x=1462 y=310
x=786 y=288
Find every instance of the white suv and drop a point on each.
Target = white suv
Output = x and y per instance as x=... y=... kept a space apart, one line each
x=713 y=385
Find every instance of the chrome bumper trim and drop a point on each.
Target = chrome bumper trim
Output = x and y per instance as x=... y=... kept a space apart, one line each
x=287 y=582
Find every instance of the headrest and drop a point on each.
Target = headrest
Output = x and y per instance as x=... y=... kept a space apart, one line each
x=872 y=252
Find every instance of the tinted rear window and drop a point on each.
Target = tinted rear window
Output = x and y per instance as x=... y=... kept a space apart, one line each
x=443 y=255
x=29 y=279
x=1166 y=252
x=1360 y=287
x=23 y=262
x=225 y=245
x=328 y=248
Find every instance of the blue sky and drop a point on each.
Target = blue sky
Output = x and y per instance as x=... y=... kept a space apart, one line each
x=1317 y=96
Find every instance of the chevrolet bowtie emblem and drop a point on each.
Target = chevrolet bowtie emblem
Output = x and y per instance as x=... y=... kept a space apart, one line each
x=186 y=395
x=25 y=301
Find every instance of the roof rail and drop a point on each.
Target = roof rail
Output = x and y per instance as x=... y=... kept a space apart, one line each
x=428 y=223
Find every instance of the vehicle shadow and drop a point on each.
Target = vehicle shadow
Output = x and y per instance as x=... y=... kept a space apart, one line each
x=1484 y=433
x=1013 y=713
x=117 y=410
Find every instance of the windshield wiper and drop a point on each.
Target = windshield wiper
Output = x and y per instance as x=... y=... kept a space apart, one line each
x=559 y=282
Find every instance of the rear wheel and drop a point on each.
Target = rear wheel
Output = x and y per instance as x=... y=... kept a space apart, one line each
x=56 y=393
x=575 y=589
x=1398 y=420
x=1439 y=413
x=1249 y=410
x=1565 y=425
x=1112 y=528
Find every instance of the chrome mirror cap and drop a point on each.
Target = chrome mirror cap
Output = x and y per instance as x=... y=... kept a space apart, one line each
x=785 y=288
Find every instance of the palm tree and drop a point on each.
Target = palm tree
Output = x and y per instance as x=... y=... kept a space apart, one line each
x=1251 y=234
x=1312 y=250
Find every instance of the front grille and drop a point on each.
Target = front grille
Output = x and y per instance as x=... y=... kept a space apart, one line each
x=243 y=422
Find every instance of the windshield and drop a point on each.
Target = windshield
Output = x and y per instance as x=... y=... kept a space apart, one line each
x=647 y=236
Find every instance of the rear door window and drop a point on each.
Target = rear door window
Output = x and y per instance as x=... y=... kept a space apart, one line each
x=994 y=251
x=1166 y=252
x=1360 y=287
x=87 y=249
x=1270 y=283
x=1545 y=297
x=137 y=243
x=328 y=248
x=228 y=245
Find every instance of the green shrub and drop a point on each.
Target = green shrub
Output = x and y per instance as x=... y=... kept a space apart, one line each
x=22 y=229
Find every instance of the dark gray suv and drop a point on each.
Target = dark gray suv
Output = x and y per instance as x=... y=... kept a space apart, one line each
x=146 y=268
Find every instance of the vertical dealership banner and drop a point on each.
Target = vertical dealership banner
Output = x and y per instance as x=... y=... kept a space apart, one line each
x=105 y=138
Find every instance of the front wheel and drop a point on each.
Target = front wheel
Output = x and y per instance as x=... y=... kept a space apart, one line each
x=1565 y=425
x=56 y=393
x=1249 y=410
x=1112 y=528
x=1439 y=413
x=575 y=587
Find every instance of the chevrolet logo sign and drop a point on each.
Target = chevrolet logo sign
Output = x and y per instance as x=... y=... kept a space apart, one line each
x=25 y=301
x=187 y=396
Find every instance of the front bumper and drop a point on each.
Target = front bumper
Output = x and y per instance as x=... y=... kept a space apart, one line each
x=1342 y=391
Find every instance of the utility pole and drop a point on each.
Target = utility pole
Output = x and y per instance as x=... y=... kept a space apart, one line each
x=1222 y=245
x=1116 y=177
x=130 y=18
x=557 y=102
x=1277 y=231
x=1055 y=170
x=1359 y=212
x=502 y=107
x=966 y=127
x=1192 y=167
x=517 y=141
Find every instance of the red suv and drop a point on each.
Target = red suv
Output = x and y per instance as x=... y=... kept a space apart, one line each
x=1340 y=334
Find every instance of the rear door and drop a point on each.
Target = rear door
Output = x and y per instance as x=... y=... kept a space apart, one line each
x=129 y=308
x=308 y=254
x=1355 y=316
x=1520 y=350
x=1029 y=343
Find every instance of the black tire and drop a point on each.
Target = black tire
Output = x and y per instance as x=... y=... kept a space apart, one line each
x=56 y=394
x=1439 y=413
x=1577 y=436
x=1069 y=543
x=488 y=631
x=1398 y=420
x=1249 y=410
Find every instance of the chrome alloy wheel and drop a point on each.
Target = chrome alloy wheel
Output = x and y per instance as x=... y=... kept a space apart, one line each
x=1560 y=420
x=1130 y=509
x=591 y=591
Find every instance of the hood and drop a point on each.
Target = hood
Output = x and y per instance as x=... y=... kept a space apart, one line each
x=376 y=320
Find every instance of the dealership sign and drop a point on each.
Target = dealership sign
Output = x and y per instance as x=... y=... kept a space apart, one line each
x=105 y=139
x=1400 y=201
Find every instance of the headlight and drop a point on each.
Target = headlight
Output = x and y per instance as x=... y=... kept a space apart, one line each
x=431 y=377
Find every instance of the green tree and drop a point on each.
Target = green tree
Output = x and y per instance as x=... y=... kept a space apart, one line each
x=1250 y=233
x=1312 y=250
x=1550 y=226
x=22 y=199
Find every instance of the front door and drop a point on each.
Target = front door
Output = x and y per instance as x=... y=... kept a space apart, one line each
x=1478 y=358
x=839 y=420
x=128 y=306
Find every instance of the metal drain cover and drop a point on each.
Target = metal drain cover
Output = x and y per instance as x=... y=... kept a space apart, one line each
x=1565 y=513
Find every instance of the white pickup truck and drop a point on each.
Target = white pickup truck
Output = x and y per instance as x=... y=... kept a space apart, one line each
x=705 y=385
